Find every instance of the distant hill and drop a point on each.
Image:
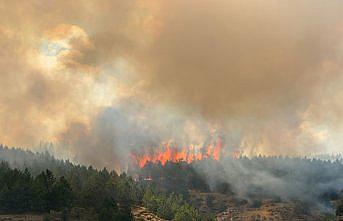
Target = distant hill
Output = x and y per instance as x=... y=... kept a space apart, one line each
x=36 y=162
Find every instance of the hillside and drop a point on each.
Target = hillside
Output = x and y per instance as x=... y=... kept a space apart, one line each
x=203 y=189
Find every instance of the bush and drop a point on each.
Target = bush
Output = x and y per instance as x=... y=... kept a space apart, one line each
x=169 y=207
x=186 y=213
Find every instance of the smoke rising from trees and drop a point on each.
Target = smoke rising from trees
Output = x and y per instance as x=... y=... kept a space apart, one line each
x=101 y=79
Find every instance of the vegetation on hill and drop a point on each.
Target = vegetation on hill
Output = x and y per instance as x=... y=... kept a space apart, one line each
x=20 y=192
x=257 y=178
x=62 y=185
x=37 y=182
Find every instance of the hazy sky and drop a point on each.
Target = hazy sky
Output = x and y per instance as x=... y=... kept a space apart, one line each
x=110 y=76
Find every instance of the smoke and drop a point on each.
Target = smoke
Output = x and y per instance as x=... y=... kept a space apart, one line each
x=277 y=178
x=243 y=58
x=130 y=127
x=101 y=79
x=50 y=72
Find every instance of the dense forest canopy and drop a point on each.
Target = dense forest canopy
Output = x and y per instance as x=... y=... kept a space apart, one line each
x=37 y=182
x=284 y=177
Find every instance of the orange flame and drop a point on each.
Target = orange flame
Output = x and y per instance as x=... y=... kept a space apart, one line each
x=168 y=152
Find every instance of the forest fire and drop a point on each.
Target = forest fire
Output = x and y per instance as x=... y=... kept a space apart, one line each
x=171 y=152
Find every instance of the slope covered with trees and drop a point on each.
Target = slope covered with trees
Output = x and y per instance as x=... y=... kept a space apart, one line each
x=260 y=177
x=101 y=191
x=39 y=183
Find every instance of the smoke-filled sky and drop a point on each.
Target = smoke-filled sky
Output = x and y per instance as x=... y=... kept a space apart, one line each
x=101 y=78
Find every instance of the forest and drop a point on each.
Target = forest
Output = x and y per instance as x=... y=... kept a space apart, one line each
x=39 y=183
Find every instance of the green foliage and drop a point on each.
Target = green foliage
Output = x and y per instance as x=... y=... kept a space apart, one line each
x=175 y=177
x=150 y=200
x=109 y=210
x=15 y=189
x=63 y=185
x=127 y=190
x=63 y=195
x=81 y=187
x=186 y=213
x=66 y=185
x=168 y=206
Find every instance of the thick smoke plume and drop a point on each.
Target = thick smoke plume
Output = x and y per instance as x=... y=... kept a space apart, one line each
x=100 y=79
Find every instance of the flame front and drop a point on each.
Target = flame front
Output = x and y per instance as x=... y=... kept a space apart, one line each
x=172 y=153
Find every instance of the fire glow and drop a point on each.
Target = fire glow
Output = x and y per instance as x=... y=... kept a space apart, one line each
x=168 y=152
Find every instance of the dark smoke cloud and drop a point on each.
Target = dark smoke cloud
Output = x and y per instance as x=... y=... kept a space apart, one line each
x=262 y=64
x=107 y=77
x=237 y=58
